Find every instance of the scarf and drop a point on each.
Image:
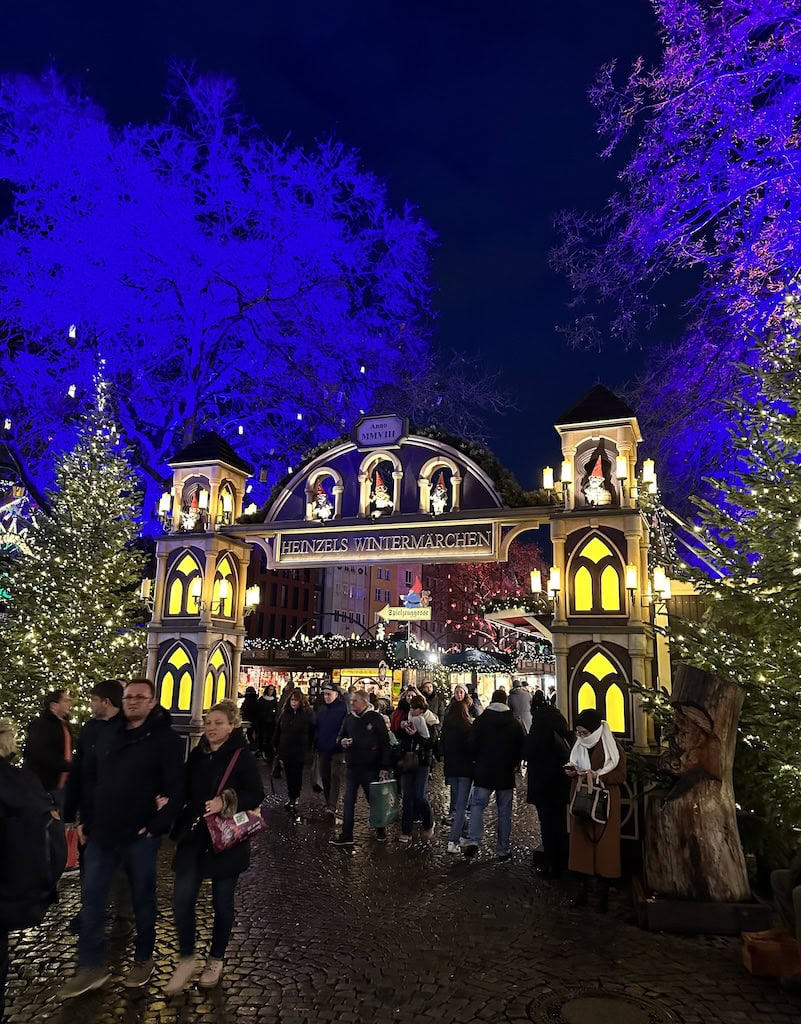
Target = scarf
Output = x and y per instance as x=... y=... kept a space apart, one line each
x=580 y=754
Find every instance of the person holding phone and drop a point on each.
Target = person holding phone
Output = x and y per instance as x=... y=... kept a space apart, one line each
x=595 y=848
x=416 y=740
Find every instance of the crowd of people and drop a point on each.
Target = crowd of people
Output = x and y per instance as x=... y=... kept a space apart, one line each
x=124 y=785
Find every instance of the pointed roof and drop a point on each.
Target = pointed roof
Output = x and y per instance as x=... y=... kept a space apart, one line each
x=210 y=447
x=598 y=405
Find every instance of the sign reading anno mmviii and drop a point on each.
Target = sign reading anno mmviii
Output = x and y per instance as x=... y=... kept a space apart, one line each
x=379 y=431
x=416 y=543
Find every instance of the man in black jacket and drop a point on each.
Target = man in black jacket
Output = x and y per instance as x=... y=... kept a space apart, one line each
x=496 y=743
x=365 y=740
x=48 y=750
x=142 y=761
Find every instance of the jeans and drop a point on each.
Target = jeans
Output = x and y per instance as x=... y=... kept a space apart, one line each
x=460 y=797
x=332 y=771
x=503 y=802
x=354 y=778
x=294 y=778
x=187 y=887
x=414 y=787
x=138 y=859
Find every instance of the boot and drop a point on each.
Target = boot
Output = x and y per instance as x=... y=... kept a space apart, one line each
x=582 y=894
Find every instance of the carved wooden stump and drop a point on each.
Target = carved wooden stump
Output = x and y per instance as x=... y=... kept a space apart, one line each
x=692 y=846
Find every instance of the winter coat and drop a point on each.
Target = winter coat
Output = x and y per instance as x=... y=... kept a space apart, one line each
x=294 y=734
x=135 y=767
x=267 y=712
x=548 y=746
x=243 y=792
x=33 y=849
x=436 y=704
x=496 y=742
x=595 y=849
x=44 y=749
x=519 y=701
x=455 y=742
x=370 y=747
x=399 y=716
x=90 y=748
x=421 y=745
x=329 y=721
x=250 y=709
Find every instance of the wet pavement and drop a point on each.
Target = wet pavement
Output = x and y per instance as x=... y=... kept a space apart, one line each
x=407 y=934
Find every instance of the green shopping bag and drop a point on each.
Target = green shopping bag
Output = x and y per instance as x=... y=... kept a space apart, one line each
x=384 y=803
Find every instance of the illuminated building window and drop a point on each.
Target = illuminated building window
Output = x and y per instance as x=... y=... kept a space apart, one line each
x=222 y=598
x=595 y=579
x=179 y=586
x=586 y=698
x=176 y=676
x=216 y=681
x=599 y=687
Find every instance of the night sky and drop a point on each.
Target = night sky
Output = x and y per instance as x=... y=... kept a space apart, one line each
x=477 y=113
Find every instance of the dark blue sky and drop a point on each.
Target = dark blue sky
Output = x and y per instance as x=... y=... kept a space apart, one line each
x=477 y=113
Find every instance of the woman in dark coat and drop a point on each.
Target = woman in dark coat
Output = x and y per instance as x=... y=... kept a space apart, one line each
x=595 y=849
x=33 y=849
x=417 y=736
x=455 y=741
x=268 y=717
x=294 y=738
x=195 y=858
x=548 y=748
x=250 y=712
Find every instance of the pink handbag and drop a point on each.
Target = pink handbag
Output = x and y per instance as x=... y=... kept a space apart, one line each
x=228 y=832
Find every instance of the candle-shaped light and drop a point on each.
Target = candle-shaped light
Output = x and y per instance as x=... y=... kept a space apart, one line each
x=536 y=581
x=252 y=596
x=547 y=478
x=652 y=485
x=164 y=503
x=566 y=476
x=621 y=467
x=203 y=498
x=224 y=590
x=554 y=581
x=648 y=471
x=227 y=502
x=660 y=581
x=195 y=590
x=631 y=577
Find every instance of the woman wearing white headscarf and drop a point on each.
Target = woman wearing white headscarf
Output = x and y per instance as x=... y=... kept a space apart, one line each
x=594 y=848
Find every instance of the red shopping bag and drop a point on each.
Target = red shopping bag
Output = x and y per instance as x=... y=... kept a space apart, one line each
x=72 y=849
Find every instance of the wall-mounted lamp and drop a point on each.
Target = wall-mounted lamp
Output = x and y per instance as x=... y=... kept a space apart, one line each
x=203 y=499
x=661 y=585
x=554 y=584
x=648 y=471
x=252 y=598
x=536 y=581
x=631 y=580
x=547 y=478
x=223 y=593
x=566 y=479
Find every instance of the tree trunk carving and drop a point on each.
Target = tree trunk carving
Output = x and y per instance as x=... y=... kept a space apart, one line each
x=692 y=845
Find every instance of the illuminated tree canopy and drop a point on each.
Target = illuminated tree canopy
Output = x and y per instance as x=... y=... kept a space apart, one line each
x=228 y=282
x=710 y=200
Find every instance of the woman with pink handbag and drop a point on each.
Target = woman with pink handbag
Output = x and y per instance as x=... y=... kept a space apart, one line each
x=222 y=782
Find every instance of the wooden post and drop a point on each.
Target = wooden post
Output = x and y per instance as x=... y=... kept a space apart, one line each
x=692 y=846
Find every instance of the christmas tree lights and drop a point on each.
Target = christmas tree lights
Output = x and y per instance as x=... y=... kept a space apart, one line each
x=75 y=613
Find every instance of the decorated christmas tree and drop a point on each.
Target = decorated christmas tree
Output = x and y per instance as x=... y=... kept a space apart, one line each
x=75 y=614
x=750 y=633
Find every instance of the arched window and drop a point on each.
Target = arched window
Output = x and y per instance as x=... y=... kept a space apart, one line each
x=222 y=597
x=225 y=504
x=175 y=680
x=597 y=685
x=216 y=682
x=596 y=581
x=185 y=571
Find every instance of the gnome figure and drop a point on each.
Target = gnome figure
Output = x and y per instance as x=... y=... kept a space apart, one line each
x=595 y=489
x=322 y=508
x=414 y=598
x=190 y=515
x=439 y=496
x=380 y=499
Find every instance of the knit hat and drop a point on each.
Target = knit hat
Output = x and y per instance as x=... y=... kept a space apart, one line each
x=589 y=719
x=330 y=686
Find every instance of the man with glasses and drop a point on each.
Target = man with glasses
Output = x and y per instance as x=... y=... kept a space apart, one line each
x=142 y=761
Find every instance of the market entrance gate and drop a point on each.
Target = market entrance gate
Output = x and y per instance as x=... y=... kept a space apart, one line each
x=390 y=495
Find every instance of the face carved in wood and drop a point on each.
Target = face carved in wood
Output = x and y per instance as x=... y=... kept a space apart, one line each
x=693 y=753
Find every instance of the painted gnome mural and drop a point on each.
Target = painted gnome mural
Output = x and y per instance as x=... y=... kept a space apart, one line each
x=439 y=496
x=382 y=504
x=322 y=506
x=595 y=489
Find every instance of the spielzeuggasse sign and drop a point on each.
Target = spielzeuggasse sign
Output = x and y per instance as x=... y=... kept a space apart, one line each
x=462 y=543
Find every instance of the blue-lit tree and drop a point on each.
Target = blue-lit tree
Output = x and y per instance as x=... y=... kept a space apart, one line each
x=710 y=200
x=227 y=281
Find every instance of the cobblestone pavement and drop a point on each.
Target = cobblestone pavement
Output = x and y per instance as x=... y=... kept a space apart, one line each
x=407 y=934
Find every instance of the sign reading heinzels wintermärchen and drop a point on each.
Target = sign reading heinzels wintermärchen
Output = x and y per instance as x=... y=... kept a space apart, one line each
x=401 y=544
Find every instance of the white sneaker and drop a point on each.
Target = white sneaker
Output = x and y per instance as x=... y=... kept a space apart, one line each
x=454 y=848
x=183 y=975
x=403 y=838
x=211 y=973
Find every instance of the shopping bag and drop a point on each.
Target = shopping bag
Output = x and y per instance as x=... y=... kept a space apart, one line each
x=384 y=803
x=72 y=849
x=228 y=832
x=590 y=801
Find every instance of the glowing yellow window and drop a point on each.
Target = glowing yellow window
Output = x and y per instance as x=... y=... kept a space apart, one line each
x=600 y=667
x=223 y=596
x=587 y=698
x=176 y=601
x=167 y=690
x=187 y=566
x=217 y=659
x=615 y=710
x=221 y=686
x=208 y=691
x=595 y=550
x=582 y=585
x=185 y=691
x=179 y=658
x=610 y=589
